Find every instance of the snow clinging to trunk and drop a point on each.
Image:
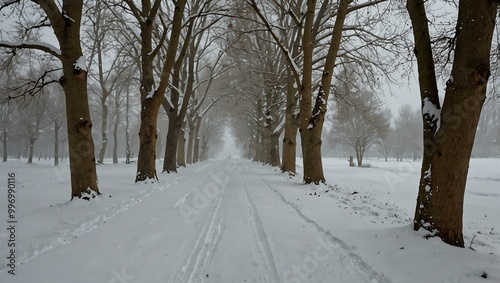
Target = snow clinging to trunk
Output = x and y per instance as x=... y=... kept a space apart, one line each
x=431 y=110
x=80 y=64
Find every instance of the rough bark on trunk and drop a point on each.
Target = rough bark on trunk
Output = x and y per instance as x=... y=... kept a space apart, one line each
x=181 y=148
x=311 y=123
x=190 y=144
x=449 y=134
x=151 y=99
x=147 y=134
x=170 y=161
x=311 y=152
x=81 y=145
x=290 y=136
x=176 y=113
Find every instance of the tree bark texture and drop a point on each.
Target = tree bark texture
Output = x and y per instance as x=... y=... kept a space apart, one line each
x=448 y=139
x=290 y=136
x=152 y=98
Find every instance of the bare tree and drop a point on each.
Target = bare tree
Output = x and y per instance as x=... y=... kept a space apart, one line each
x=6 y=113
x=449 y=129
x=212 y=131
x=312 y=109
x=32 y=118
x=147 y=17
x=64 y=18
x=408 y=133
x=109 y=59
x=195 y=44
x=361 y=121
x=488 y=131
x=55 y=112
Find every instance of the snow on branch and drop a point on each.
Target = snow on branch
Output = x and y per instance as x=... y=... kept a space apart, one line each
x=6 y=3
x=33 y=86
x=80 y=64
x=42 y=46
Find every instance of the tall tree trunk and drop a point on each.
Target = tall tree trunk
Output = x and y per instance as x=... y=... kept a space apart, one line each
x=115 y=130
x=449 y=137
x=311 y=123
x=170 y=161
x=151 y=99
x=266 y=144
x=81 y=145
x=190 y=146
x=311 y=152
x=181 y=147
x=104 y=127
x=150 y=106
x=5 y=139
x=127 y=126
x=146 y=159
x=359 y=156
x=275 y=150
x=31 y=149
x=290 y=136
x=56 y=142
x=196 y=149
x=115 y=143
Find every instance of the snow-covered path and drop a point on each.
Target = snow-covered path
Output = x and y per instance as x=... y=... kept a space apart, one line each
x=222 y=223
x=238 y=221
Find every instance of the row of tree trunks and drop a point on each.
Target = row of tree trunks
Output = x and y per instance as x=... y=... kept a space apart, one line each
x=151 y=99
x=177 y=113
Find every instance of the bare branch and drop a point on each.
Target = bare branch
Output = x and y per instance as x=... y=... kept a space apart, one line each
x=45 y=47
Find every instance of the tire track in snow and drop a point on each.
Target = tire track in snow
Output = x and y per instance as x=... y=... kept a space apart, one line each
x=82 y=228
x=260 y=246
x=197 y=263
x=345 y=252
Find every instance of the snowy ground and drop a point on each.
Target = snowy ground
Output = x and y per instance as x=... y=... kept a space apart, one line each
x=237 y=221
